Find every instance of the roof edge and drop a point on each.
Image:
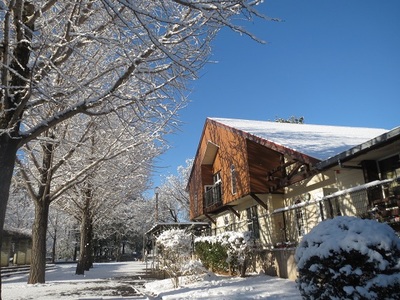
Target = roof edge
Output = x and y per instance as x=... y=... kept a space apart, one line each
x=359 y=149
x=300 y=156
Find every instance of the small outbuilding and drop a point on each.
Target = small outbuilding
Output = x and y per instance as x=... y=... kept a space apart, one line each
x=16 y=247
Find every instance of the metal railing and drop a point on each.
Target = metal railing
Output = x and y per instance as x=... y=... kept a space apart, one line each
x=213 y=196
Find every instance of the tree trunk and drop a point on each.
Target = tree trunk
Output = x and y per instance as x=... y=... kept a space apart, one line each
x=53 y=254
x=54 y=236
x=8 y=151
x=85 y=244
x=75 y=252
x=80 y=267
x=89 y=246
x=117 y=247
x=243 y=267
x=39 y=230
x=40 y=224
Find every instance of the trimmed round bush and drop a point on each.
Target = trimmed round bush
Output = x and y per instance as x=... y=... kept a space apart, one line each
x=349 y=258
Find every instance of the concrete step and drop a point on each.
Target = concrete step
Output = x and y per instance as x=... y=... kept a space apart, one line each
x=24 y=269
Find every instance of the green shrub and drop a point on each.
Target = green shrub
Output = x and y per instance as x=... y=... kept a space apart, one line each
x=226 y=252
x=213 y=256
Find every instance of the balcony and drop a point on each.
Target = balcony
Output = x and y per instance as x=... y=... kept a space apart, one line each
x=212 y=197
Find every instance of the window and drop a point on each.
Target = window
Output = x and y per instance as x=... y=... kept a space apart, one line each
x=226 y=220
x=330 y=208
x=217 y=178
x=390 y=167
x=196 y=204
x=300 y=219
x=227 y=223
x=233 y=179
x=213 y=193
x=252 y=221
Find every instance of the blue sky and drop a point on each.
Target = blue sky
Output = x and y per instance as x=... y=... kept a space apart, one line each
x=333 y=62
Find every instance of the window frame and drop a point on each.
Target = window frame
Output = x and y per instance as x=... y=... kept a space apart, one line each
x=253 y=225
x=233 y=180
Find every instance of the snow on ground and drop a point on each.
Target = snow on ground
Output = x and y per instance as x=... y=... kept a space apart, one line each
x=116 y=281
x=227 y=288
x=104 y=281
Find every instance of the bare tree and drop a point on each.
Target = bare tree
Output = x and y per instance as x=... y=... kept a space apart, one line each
x=93 y=57
x=96 y=56
x=110 y=182
x=125 y=226
x=69 y=156
x=95 y=206
x=20 y=209
x=173 y=196
x=62 y=235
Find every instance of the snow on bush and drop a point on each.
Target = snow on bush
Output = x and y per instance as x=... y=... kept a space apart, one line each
x=234 y=247
x=194 y=271
x=176 y=239
x=349 y=258
x=175 y=247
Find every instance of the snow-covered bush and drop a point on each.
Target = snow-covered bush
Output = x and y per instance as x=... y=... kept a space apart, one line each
x=175 y=246
x=194 y=271
x=228 y=250
x=349 y=258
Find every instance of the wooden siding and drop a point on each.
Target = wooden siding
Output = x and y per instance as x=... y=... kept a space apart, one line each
x=196 y=193
x=258 y=169
x=261 y=162
x=232 y=151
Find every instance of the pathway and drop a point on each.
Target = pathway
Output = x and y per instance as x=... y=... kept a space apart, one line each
x=110 y=281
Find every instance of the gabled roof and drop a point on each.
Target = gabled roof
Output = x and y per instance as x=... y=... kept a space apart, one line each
x=317 y=141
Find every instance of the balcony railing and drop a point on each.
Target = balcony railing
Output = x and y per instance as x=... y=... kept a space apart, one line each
x=213 y=196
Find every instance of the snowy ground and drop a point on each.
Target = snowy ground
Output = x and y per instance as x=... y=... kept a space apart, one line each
x=227 y=288
x=119 y=281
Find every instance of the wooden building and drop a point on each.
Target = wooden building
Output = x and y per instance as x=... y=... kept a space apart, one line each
x=279 y=180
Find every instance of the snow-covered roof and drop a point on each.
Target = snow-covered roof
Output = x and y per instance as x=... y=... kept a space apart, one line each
x=318 y=141
x=17 y=232
x=164 y=226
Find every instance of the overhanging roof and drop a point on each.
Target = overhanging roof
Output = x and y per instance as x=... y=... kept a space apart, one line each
x=210 y=153
x=390 y=139
x=17 y=233
x=181 y=225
